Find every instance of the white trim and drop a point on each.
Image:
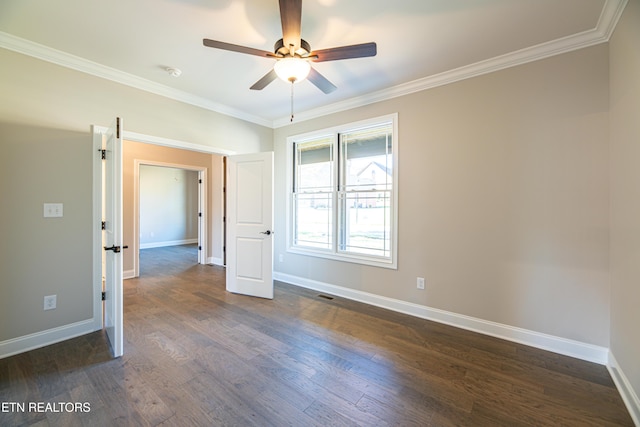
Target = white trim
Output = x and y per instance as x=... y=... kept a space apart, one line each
x=221 y=208
x=577 y=349
x=174 y=143
x=203 y=202
x=168 y=243
x=48 y=337
x=611 y=12
x=625 y=388
x=96 y=281
x=128 y=274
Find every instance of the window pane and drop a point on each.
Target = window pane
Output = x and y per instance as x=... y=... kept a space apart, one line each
x=312 y=220
x=367 y=162
x=314 y=162
x=365 y=223
x=313 y=193
x=366 y=173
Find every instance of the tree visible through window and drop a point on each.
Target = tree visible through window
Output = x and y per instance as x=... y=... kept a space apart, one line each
x=342 y=198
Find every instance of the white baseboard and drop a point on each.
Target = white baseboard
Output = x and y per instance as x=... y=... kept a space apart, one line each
x=168 y=243
x=215 y=261
x=44 y=338
x=128 y=274
x=577 y=349
x=629 y=396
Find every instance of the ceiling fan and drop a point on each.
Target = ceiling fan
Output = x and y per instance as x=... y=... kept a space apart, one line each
x=293 y=53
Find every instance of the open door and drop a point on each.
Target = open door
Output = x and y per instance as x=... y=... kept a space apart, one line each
x=113 y=236
x=249 y=224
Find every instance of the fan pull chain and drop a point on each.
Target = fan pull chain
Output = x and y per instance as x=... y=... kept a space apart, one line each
x=292 y=81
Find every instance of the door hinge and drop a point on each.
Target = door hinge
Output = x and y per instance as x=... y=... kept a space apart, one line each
x=118 y=127
x=104 y=225
x=199 y=248
x=104 y=296
x=199 y=181
x=200 y=214
x=103 y=154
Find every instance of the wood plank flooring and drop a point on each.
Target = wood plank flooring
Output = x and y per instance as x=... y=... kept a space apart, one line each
x=197 y=355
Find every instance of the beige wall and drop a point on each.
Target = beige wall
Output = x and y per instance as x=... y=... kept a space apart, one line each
x=503 y=199
x=154 y=153
x=168 y=206
x=625 y=195
x=42 y=94
x=44 y=256
x=46 y=155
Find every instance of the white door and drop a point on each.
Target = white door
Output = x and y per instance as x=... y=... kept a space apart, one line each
x=113 y=236
x=249 y=224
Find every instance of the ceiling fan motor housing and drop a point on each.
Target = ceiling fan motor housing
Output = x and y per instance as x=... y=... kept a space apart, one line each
x=280 y=49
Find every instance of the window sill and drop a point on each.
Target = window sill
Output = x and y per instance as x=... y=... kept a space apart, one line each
x=350 y=258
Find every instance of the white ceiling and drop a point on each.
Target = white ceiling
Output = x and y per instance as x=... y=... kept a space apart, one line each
x=421 y=44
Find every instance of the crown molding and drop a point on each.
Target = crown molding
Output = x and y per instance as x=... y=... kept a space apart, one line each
x=36 y=50
x=609 y=17
x=607 y=22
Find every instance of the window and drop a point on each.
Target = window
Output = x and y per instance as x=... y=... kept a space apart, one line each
x=343 y=202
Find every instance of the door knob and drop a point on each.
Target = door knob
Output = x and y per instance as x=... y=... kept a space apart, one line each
x=268 y=232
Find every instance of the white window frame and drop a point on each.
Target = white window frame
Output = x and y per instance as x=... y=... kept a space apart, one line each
x=334 y=253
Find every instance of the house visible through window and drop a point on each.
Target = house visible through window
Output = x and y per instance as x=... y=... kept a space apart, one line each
x=342 y=193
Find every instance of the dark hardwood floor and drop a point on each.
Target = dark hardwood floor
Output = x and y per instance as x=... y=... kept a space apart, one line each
x=197 y=355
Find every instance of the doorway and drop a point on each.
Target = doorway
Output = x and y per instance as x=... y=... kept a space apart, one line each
x=130 y=237
x=170 y=208
x=208 y=165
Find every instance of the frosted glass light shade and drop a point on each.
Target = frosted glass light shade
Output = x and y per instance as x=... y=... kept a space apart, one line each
x=292 y=69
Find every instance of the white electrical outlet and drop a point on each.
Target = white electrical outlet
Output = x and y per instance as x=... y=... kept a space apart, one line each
x=50 y=302
x=420 y=282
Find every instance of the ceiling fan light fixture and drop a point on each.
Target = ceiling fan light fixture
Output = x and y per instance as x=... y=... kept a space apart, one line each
x=292 y=69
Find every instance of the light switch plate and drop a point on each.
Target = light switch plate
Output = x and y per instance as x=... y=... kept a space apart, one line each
x=53 y=210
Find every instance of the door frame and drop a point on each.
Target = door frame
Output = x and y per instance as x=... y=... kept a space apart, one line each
x=96 y=134
x=202 y=208
x=98 y=251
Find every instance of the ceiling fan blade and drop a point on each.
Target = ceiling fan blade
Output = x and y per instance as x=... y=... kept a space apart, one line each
x=291 y=18
x=344 y=52
x=264 y=81
x=236 y=48
x=320 y=81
